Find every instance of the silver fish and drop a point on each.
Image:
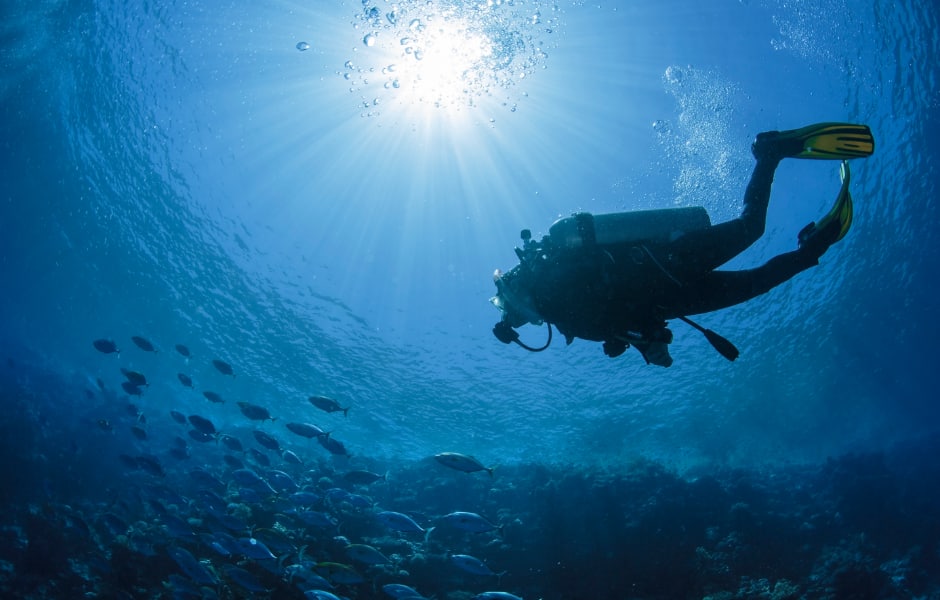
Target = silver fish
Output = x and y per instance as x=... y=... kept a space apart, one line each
x=328 y=405
x=366 y=554
x=255 y=412
x=398 y=522
x=468 y=521
x=470 y=564
x=306 y=430
x=461 y=462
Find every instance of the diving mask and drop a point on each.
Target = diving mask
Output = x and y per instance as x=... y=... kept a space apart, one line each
x=515 y=304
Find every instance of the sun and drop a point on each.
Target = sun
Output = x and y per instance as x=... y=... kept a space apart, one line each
x=451 y=61
x=445 y=54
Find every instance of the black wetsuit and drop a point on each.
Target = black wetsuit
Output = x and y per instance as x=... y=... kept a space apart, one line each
x=604 y=293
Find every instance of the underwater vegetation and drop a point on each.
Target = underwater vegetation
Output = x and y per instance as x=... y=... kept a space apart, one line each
x=111 y=494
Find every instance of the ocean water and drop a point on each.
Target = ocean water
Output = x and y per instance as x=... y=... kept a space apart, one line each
x=318 y=193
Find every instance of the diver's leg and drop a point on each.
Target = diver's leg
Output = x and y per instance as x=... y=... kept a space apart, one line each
x=701 y=251
x=721 y=289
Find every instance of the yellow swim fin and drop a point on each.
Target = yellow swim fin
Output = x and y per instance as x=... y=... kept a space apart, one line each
x=835 y=224
x=826 y=141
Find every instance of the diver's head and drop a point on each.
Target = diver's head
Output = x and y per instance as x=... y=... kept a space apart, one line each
x=513 y=300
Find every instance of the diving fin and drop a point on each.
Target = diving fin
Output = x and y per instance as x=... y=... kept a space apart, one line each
x=817 y=237
x=827 y=141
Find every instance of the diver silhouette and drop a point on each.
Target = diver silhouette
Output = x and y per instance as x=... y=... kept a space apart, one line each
x=619 y=278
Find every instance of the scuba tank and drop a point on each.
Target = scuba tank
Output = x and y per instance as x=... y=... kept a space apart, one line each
x=585 y=231
x=663 y=225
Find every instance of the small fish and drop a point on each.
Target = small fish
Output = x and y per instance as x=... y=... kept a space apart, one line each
x=315 y=518
x=328 y=404
x=132 y=410
x=468 y=521
x=243 y=578
x=232 y=523
x=185 y=379
x=134 y=377
x=259 y=457
x=362 y=477
x=304 y=498
x=470 y=564
x=496 y=596
x=282 y=482
x=306 y=430
x=400 y=591
x=311 y=580
x=106 y=346
x=202 y=424
x=143 y=343
x=177 y=527
x=105 y=425
x=213 y=397
x=255 y=412
x=139 y=432
x=251 y=480
x=183 y=350
x=320 y=595
x=366 y=554
x=131 y=389
x=336 y=495
x=333 y=445
x=151 y=465
x=200 y=437
x=397 y=521
x=276 y=540
x=192 y=567
x=178 y=417
x=291 y=457
x=267 y=441
x=360 y=501
x=221 y=542
x=462 y=462
x=232 y=443
x=218 y=547
x=254 y=548
x=223 y=367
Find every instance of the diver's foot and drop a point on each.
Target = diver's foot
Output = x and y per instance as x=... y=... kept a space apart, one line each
x=827 y=141
x=655 y=353
x=771 y=145
x=815 y=238
x=655 y=348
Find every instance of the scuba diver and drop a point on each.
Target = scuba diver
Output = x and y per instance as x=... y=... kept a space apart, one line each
x=619 y=278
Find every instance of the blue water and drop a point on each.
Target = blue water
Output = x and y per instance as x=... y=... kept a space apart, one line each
x=328 y=219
